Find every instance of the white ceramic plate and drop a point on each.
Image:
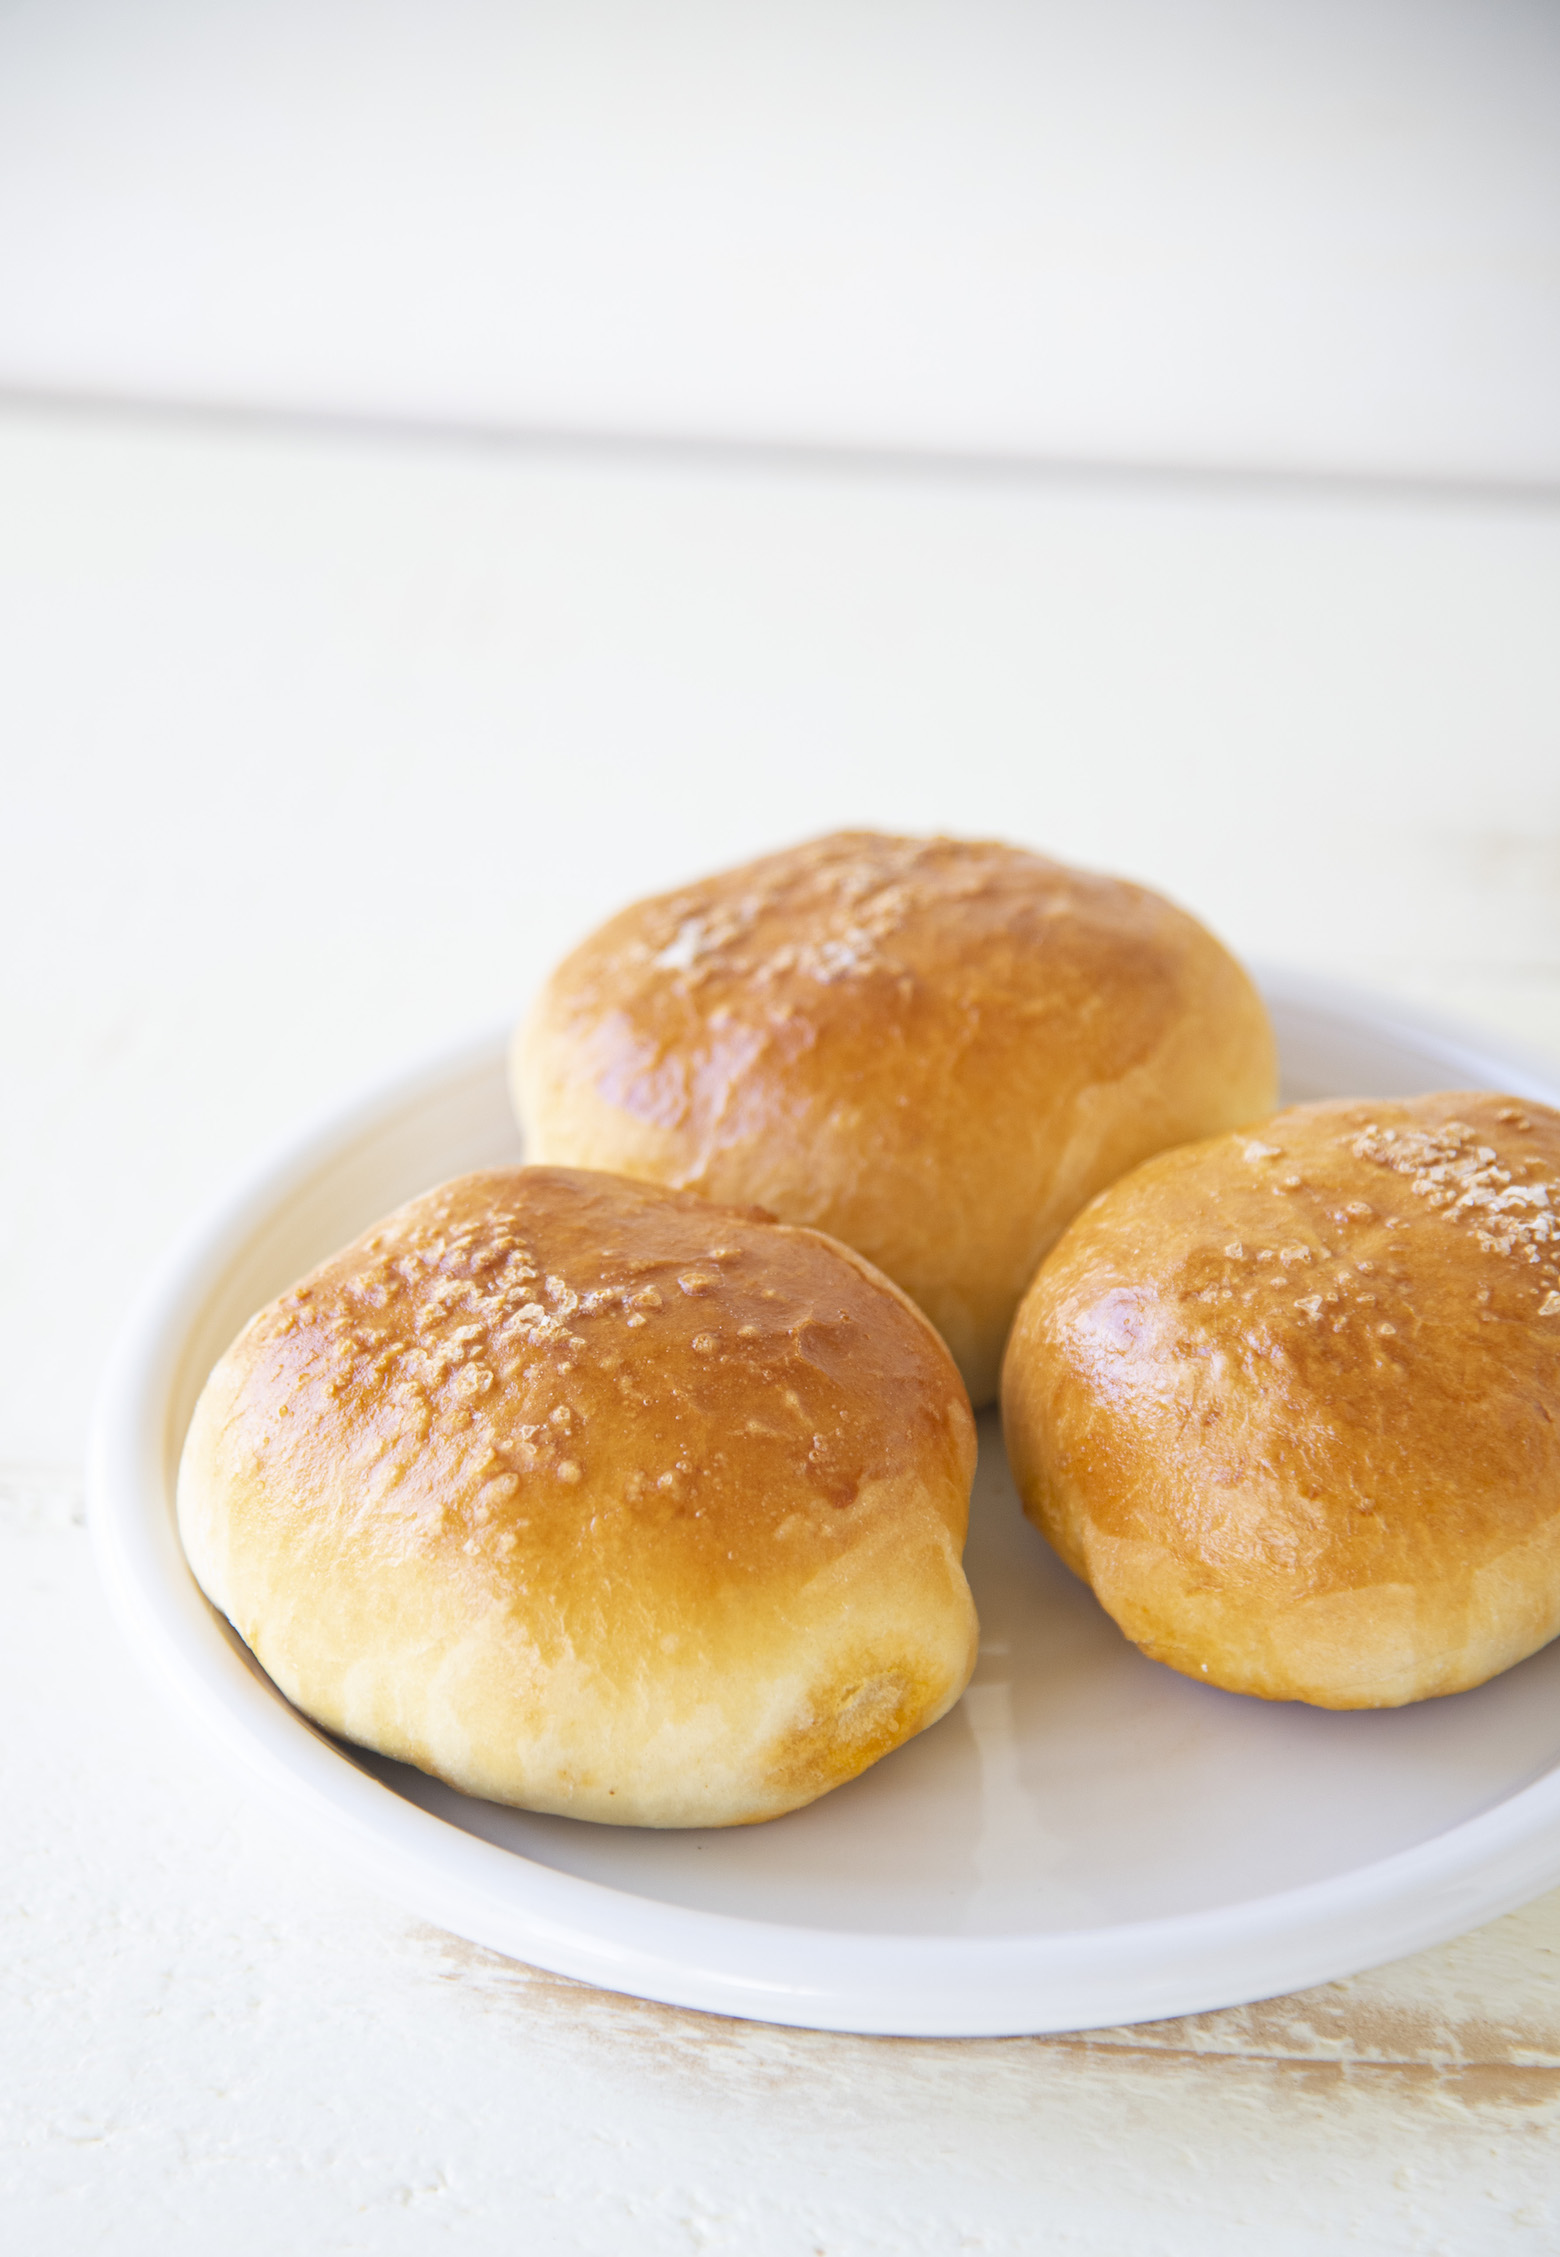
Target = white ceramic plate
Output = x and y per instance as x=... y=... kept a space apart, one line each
x=1087 y=1839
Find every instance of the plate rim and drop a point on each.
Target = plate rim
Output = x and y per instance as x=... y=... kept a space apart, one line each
x=877 y=1982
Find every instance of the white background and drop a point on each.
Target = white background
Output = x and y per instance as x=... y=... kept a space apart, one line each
x=1315 y=234
x=322 y=739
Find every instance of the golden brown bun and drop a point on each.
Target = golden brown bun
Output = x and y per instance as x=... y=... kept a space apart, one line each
x=934 y=1049
x=1290 y=1401
x=594 y=1498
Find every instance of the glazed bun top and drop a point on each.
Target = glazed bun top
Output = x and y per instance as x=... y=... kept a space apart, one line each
x=594 y=1497
x=934 y=1049
x=1291 y=1400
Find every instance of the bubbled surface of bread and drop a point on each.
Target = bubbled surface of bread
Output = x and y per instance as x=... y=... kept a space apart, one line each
x=1290 y=1401
x=934 y=1049
x=594 y=1498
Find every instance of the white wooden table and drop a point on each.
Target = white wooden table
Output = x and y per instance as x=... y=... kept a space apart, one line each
x=318 y=750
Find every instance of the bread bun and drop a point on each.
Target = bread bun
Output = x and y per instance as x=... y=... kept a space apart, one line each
x=1290 y=1401
x=934 y=1049
x=594 y=1498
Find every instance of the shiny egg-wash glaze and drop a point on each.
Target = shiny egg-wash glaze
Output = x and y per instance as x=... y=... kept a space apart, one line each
x=1290 y=1401
x=594 y=1498
x=934 y=1049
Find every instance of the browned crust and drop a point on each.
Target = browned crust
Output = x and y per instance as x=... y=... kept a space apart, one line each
x=1290 y=1401
x=935 y=1049
x=594 y=1497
